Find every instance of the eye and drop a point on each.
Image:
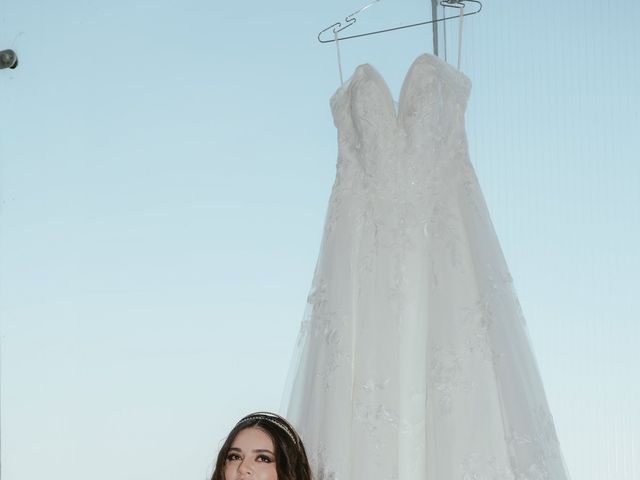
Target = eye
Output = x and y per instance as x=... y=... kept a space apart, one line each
x=264 y=459
x=232 y=457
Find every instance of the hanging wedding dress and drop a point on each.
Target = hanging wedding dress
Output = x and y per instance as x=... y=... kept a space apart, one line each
x=413 y=360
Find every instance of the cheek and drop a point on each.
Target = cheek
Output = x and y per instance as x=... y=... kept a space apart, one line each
x=265 y=472
x=228 y=471
x=272 y=474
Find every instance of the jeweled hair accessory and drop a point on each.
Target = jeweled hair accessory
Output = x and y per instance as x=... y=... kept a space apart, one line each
x=273 y=419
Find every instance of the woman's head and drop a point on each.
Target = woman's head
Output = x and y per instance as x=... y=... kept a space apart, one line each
x=262 y=446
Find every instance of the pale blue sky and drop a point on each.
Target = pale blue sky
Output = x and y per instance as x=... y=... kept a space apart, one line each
x=165 y=168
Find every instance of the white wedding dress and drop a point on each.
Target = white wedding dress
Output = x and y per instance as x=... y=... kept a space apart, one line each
x=413 y=361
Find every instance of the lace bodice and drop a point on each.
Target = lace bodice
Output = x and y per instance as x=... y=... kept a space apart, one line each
x=380 y=141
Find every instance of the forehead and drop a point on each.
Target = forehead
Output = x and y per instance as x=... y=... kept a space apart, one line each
x=252 y=439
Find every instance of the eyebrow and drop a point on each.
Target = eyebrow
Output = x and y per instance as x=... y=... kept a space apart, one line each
x=257 y=450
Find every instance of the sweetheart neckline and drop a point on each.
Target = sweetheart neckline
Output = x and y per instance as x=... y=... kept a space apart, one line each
x=396 y=111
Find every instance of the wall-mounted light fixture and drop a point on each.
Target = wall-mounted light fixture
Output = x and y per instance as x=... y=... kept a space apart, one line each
x=8 y=59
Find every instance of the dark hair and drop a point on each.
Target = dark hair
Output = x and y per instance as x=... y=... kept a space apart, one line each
x=291 y=457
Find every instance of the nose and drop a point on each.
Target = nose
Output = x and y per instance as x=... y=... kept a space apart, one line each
x=245 y=470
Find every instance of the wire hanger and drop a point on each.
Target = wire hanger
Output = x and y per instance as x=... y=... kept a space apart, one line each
x=350 y=20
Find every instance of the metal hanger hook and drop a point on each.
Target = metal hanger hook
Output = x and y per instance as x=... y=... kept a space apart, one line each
x=368 y=5
x=349 y=19
x=460 y=4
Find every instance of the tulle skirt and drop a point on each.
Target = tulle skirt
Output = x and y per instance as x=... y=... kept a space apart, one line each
x=413 y=359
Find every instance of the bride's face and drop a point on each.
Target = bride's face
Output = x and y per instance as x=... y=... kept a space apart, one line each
x=251 y=456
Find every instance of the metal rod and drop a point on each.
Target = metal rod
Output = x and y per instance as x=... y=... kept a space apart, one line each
x=434 y=17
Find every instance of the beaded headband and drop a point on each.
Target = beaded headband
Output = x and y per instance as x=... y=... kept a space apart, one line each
x=273 y=419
